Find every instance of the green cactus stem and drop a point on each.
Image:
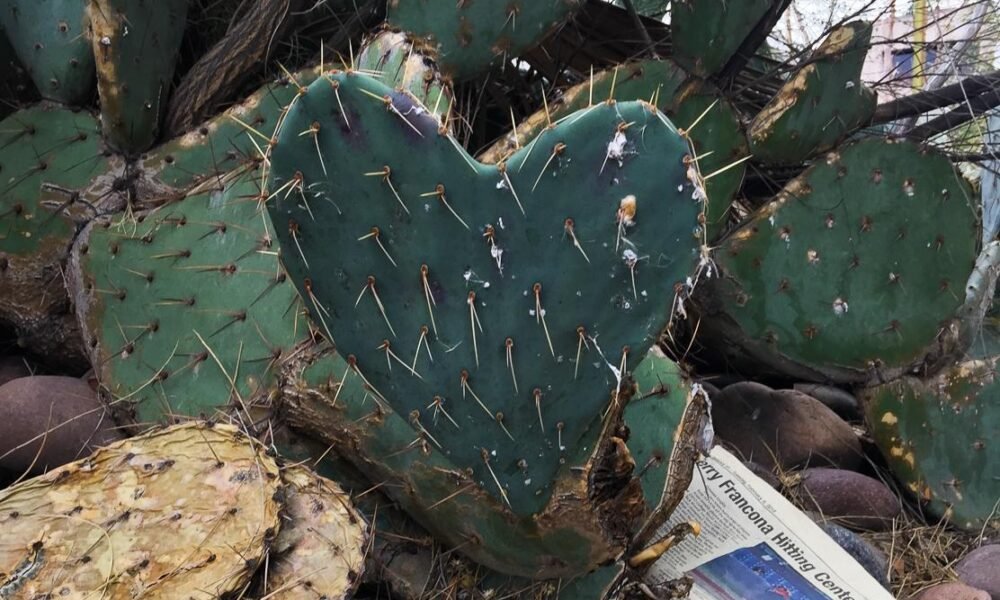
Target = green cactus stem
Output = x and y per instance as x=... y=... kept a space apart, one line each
x=135 y=46
x=390 y=56
x=468 y=37
x=705 y=34
x=821 y=104
x=50 y=37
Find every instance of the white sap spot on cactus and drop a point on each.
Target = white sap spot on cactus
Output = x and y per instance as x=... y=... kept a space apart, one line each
x=532 y=312
x=840 y=307
x=559 y=359
x=500 y=222
x=501 y=185
x=908 y=188
x=493 y=452
x=525 y=293
x=849 y=85
x=579 y=294
x=771 y=220
x=616 y=147
x=680 y=189
x=630 y=257
x=427 y=207
x=527 y=481
x=486 y=285
x=644 y=294
x=216 y=200
x=497 y=253
x=812 y=256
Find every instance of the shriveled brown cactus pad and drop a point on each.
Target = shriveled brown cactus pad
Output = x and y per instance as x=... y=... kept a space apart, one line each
x=320 y=552
x=185 y=512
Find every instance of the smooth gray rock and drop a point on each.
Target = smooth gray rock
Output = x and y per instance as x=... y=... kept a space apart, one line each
x=868 y=556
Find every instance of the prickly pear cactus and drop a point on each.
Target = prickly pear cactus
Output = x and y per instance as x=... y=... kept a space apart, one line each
x=940 y=434
x=705 y=34
x=185 y=309
x=391 y=57
x=524 y=361
x=467 y=37
x=234 y=138
x=320 y=550
x=53 y=174
x=690 y=103
x=821 y=104
x=855 y=271
x=182 y=512
x=135 y=46
x=50 y=37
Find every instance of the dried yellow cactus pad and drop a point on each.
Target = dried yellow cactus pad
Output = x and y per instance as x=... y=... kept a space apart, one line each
x=184 y=512
x=320 y=552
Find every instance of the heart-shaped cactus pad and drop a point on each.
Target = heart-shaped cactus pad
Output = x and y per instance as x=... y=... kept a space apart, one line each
x=496 y=307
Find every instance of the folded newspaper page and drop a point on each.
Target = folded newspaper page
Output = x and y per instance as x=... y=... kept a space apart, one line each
x=755 y=544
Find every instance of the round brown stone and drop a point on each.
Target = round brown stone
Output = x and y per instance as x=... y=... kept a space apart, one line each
x=59 y=419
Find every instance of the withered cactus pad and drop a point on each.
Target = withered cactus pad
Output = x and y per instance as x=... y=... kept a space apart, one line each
x=184 y=512
x=320 y=551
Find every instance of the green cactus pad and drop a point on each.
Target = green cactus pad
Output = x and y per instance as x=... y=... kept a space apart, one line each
x=940 y=436
x=184 y=512
x=327 y=399
x=391 y=57
x=50 y=37
x=185 y=310
x=821 y=104
x=707 y=33
x=53 y=173
x=717 y=133
x=465 y=38
x=225 y=142
x=135 y=46
x=854 y=271
x=330 y=398
x=444 y=237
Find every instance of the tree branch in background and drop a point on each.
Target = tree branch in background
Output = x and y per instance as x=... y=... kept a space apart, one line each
x=967 y=111
x=212 y=80
x=923 y=102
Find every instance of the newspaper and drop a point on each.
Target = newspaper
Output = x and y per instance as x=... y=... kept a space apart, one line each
x=755 y=544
